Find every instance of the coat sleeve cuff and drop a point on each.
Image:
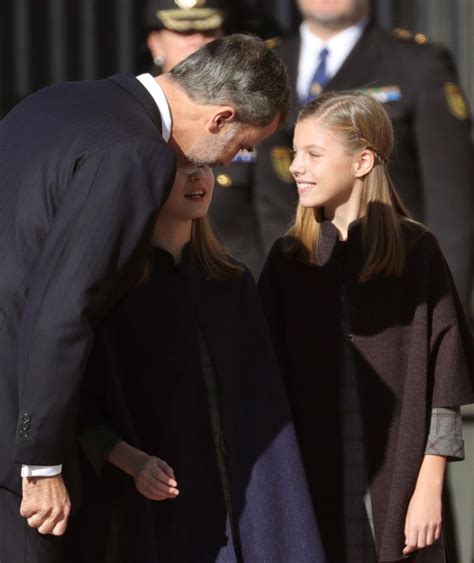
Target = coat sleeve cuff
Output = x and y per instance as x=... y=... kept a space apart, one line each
x=97 y=442
x=41 y=470
x=445 y=437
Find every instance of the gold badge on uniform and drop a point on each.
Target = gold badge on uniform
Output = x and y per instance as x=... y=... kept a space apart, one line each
x=315 y=89
x=456 y=102
x=224 y=180
x=281 y=160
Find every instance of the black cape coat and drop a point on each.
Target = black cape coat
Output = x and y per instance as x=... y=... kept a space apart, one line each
x=145 y=379
x=413 y=351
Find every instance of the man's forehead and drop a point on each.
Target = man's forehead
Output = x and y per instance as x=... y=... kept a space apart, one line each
x=255 y=133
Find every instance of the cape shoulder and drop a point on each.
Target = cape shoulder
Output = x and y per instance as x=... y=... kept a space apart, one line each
x=421 y=242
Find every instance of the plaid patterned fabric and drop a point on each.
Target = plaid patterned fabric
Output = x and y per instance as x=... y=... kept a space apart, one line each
x=445 y=436
x=358 y=522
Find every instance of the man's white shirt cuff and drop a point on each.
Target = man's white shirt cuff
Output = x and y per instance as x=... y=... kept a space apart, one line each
x=41 y=470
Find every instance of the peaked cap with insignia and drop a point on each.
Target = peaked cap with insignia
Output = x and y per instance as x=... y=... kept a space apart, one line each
x=184 y=15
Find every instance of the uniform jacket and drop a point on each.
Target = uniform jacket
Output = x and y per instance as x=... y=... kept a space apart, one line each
x=432 y=162
x=233 y=212
x=145 y=379
x=413 y=351
x=84 y=169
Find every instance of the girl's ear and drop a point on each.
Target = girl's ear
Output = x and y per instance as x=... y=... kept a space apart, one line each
x=365 y=163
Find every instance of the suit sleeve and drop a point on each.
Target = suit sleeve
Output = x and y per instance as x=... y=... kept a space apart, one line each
x=446 y=158
x=98 y=227
x=275 y=192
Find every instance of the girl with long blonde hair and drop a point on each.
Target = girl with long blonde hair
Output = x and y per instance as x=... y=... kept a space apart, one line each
x=375 y=350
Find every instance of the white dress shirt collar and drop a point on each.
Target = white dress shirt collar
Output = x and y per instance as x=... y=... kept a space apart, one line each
x=158 y=95
x=338 y=46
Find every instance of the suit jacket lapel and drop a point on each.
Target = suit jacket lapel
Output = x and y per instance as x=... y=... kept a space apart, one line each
x=290 y=55
x=355 y=71
x=132 y=85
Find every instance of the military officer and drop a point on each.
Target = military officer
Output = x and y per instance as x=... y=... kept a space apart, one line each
x=338 y=48
x=176 y=29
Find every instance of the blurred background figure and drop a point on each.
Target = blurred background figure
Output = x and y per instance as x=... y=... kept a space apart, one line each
x=177 y=29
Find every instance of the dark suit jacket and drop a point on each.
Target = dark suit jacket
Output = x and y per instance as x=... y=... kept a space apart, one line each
x=431 y=164
x=233 y=212
x=83 y=170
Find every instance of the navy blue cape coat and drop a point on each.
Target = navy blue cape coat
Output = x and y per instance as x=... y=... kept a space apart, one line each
x=145 y=379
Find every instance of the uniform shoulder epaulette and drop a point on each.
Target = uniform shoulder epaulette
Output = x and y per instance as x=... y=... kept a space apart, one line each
x=419 y=38
x=272 y=42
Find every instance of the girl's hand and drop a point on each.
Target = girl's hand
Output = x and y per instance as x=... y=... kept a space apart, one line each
x=424 y=515
x=154 y=479
x=423 y=521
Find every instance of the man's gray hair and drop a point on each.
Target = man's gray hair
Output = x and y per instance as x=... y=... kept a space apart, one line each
x=241 y=71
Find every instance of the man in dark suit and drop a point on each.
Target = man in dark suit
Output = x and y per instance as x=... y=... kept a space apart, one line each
x=337 y=49
x=85 y=168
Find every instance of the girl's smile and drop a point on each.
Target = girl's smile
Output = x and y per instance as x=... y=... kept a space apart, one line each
x=304 y=187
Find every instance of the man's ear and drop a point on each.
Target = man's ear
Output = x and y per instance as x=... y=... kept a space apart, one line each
x=220 y=118
x=365 y=163
x=154 y=44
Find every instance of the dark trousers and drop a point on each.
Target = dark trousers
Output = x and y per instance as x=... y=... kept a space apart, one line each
x=18 y=542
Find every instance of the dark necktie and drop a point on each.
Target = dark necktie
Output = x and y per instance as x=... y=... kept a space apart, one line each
x=320 y=77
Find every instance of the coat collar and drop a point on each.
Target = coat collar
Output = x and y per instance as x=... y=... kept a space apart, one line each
x=329 y=241
x=139 y=92
x=164 y=261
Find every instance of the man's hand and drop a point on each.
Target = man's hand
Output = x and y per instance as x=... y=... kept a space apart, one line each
x=46 y=505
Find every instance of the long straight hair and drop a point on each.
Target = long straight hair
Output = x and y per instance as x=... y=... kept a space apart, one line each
x=360 y=122
x=210 y=253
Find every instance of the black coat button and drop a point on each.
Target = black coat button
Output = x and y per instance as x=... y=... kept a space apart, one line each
x=26 y=417
x=23 y=434
x=25 y=426
x=350 y=337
